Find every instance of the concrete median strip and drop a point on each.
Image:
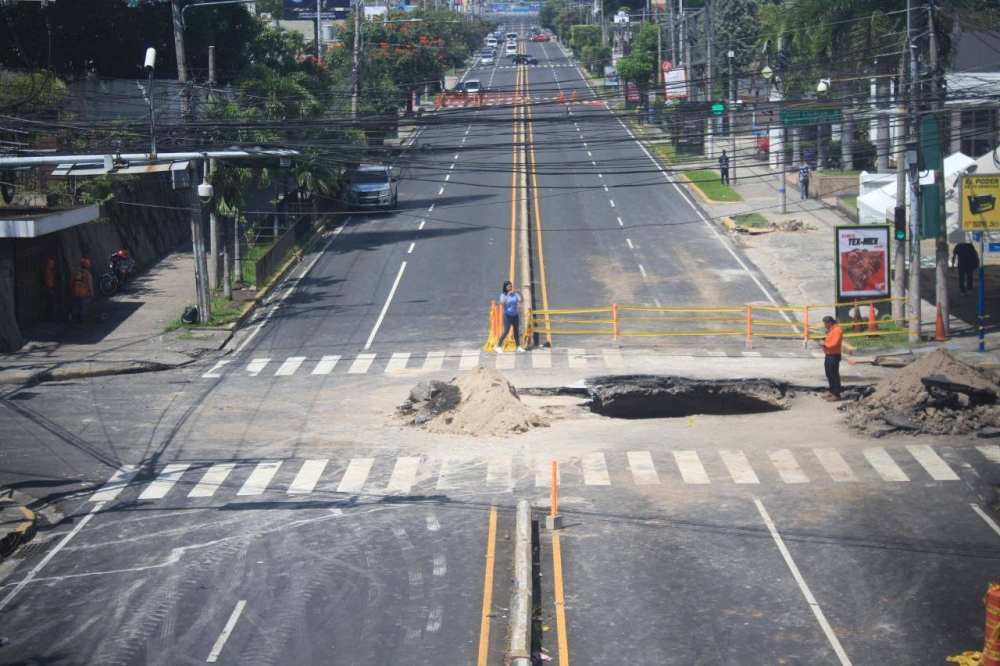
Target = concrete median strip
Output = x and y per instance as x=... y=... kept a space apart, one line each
x=521 y=603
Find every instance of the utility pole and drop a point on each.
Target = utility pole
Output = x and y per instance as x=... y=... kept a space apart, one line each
x=708 y=30
x=319 y=30
x=941 y=246
x=672 y=22
x=912 y=160
x=899 y=258
x=182 y=73
x=732 y=114
x=213 y=222
x=659 y=51
x=359 y=13
x=198 y=245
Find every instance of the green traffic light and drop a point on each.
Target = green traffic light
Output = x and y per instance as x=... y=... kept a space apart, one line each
x=900 y=235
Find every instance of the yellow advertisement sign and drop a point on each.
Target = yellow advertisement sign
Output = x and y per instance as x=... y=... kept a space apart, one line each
x=981 y=202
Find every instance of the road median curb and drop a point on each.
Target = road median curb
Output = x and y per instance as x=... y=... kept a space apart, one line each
x=521 y=602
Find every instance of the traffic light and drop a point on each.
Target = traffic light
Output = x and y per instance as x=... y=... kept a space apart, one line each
x=899 y=223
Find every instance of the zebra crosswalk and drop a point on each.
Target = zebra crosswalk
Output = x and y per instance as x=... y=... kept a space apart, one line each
x=423 y=474
x=435 y=361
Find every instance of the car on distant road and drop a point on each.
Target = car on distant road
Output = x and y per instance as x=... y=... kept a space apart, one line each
x=541 y=38
x=525 y=59
x=472 y=86
x=486 y=59
x=372 y=186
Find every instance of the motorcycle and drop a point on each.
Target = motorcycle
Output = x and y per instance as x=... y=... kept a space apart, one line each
x=121 y=265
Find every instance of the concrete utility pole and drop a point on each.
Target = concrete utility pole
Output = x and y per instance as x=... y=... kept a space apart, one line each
x=732 y=114
x=198 y=245
x=182 y=72
x=912 y=160
x=213 y=222
x=709 y=31
x=672 y=22
x=941 y=246
x=319 y=29
x=899 y=258
x=359 y=13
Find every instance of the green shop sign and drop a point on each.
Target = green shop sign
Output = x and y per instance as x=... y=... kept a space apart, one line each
x=791 y=117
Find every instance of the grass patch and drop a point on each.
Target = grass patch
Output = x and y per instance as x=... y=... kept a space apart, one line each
x=751 y=220
x=850 y=201
x=707 y=180
x=890 y=334
x=668 y=152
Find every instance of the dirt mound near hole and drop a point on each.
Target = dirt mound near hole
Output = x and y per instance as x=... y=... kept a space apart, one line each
x=479 y=402
x=936 y=394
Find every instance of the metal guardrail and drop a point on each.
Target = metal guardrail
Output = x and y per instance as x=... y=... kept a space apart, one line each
x=748 y=321
x=272 y=260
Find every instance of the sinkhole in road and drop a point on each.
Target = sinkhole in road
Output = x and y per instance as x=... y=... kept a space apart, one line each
x=653 y=396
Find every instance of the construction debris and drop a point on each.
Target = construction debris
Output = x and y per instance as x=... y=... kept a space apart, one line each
x=479 y=402
x=936 y=394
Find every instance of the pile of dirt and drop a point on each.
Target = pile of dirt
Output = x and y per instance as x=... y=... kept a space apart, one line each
x=478 y=402
x=936 y=394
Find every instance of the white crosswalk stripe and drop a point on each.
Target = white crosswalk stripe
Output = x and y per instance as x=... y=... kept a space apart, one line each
x=739 y=467
x=164 y=482
x=214 y=372
x=595 y=470
x=991 y=453
x=308 y=477
x=434 y=361
x=356 y=475
x=932 y=462
x=326 y=365
x=835 y=465
x=289 y=367
x=690 y=467
x=788 y=468
x=397 y=363
x=643 y=470
x=361 y=364
x=261 y=476
x=404 y=474
x=212 y=480
x=256 y=366
x=121 y=478
x=884 y=465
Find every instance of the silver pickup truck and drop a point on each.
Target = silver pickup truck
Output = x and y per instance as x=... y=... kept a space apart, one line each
x=372 y=186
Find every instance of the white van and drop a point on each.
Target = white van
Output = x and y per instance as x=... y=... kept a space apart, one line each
x=510 y=49
x=512 y=36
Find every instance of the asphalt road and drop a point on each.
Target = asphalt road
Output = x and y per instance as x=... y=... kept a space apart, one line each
x=278 y=513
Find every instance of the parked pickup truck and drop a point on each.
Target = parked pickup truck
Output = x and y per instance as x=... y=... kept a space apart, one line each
x=372 y=186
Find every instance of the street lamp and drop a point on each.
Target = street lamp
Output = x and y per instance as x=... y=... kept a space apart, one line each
x=149 y=65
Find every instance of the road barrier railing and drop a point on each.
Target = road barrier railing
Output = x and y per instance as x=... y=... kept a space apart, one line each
x=751 y=321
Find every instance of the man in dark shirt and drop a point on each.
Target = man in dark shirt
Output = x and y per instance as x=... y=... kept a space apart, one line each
x=724 y=168
x=967 y=259
x=804 y=181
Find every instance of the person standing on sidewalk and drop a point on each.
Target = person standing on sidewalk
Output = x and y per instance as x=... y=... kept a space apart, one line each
x=804 y=181
x=82 y=290
x=831 y=344
x=724 y=168
x=967 y=259
x=509 y=301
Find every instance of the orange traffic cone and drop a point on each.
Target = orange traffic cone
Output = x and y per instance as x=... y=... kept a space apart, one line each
x=991 y=650
x=939 y=334
x=872 y=319
x=856 y=313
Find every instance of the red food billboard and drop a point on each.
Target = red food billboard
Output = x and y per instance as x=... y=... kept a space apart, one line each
x=862 y=262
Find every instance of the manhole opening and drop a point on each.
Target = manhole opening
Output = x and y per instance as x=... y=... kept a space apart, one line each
x=656 y=397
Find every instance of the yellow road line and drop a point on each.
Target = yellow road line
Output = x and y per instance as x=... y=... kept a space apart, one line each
x=560 y=601
x=538 y=225
x=513 y=184
x=484 y=625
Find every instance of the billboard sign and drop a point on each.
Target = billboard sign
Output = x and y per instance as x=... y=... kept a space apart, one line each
x=980 y=197
x=632 y=93
x=675 y=83
x=862 y=262
x=305 y=10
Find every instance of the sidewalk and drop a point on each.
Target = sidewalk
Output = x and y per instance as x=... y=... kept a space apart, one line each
x=798 y=263
x=126 y=334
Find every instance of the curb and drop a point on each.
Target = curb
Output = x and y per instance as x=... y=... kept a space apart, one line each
x=56 y=375
x=701 y=195
x=22 y=533
x=520 y=607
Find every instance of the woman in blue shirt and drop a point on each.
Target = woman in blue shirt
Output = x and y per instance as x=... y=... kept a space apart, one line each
x=509 y=301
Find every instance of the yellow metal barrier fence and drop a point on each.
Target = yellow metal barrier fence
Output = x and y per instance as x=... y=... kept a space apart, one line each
x=749 y=321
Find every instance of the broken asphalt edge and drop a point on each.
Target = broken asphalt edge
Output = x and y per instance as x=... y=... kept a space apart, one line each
x=521 y=602
x=22 y=533
x=57 y=374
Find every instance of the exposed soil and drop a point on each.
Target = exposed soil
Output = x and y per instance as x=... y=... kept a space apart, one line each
x=936 y=394
x=479 y=402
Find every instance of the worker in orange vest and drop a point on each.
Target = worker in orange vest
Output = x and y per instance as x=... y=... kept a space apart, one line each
x=82 y=291
x=831 y=344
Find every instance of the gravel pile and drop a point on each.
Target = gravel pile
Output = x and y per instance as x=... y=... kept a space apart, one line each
x=936 y=394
